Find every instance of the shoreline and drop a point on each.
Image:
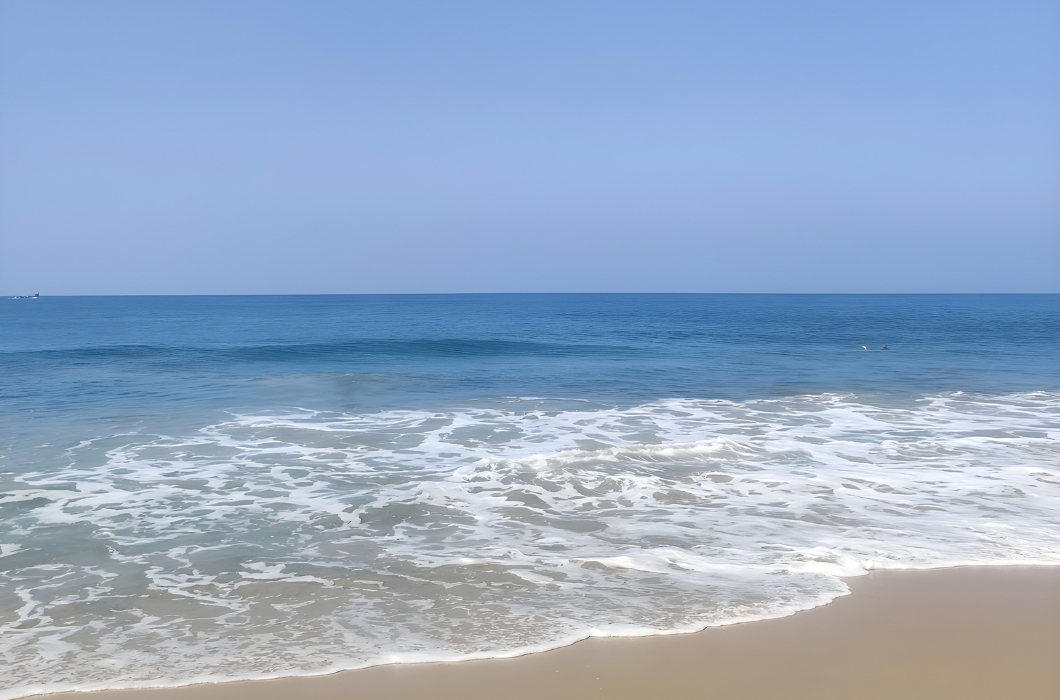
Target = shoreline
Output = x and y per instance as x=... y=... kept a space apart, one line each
x=968 y=632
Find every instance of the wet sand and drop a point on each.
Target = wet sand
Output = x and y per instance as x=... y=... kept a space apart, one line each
x=967 y=633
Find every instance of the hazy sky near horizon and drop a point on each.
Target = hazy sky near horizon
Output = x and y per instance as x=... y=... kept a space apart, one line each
x=332 y=147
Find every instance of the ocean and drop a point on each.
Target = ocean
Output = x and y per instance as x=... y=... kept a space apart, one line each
x=211 y=488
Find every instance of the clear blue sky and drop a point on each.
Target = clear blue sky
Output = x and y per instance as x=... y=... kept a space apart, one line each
x=304 y=147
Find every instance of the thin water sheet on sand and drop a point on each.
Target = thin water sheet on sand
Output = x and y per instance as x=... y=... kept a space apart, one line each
x=965 y=633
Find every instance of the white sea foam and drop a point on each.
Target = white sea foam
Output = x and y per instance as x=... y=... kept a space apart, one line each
x=306 y=542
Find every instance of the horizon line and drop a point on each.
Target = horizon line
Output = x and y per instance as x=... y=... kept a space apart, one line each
x=410 y=294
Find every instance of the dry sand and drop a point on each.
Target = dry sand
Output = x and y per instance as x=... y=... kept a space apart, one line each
x=967 y=633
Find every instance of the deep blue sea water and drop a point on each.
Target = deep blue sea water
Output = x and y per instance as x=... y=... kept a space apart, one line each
x=219 y=487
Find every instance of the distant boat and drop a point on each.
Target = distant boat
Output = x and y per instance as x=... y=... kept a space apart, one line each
x=31 y=296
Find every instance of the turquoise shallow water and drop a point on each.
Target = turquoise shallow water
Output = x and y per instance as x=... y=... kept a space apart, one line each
x=219 y=487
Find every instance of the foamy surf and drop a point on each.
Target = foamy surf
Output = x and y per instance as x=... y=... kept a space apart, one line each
x=305 y=542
